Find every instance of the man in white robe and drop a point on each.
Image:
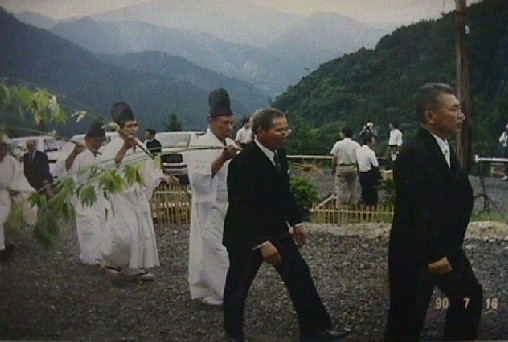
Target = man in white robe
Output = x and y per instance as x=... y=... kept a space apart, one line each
x=129 y=239
x=14 y=187
x=207 y=168
x=90 y=219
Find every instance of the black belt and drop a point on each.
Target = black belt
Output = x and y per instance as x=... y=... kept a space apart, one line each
x=347 y=164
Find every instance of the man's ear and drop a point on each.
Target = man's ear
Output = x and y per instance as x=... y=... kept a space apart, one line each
x=429 y=116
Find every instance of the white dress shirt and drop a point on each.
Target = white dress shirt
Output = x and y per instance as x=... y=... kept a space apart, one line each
x=444 y=146
x=366 y=159
x=395 y=138
x=345 y=151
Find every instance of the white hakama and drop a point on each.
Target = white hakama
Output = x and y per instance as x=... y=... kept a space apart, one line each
x=129 y=239
x=208 y=258
x=14 y=190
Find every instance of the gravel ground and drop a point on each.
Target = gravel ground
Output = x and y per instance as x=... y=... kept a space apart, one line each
x=50 y=296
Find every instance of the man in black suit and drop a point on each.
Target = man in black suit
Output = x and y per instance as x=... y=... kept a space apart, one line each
x=256 y=228
x=434 y=201
x=36 y=166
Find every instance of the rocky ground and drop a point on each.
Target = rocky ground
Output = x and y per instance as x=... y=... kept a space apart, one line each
x=50 y=296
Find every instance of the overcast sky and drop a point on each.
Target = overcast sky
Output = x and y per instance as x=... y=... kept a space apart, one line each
x=371 y=11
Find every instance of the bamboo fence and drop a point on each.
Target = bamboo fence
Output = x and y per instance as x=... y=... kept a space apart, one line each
x=331 y=211
x=171 y=204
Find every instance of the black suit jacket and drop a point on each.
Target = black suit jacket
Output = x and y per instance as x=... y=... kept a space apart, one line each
x=433 y=205
x=37 y=169
x=260 y=202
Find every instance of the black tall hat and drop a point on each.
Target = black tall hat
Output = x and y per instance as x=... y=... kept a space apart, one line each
x=121 y=112
x=219 y=102
x=95 y=130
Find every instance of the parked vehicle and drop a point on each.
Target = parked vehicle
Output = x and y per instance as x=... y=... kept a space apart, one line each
x=173 y=158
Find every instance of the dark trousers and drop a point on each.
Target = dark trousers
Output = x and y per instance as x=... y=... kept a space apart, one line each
x=244 y=264
x=410 y=297
x=368 y=182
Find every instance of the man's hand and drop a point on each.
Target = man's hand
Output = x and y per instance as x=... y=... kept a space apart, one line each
x=130 y=142
x=170 y=180
x=440 y=267
x=230 y=152
x=270 y=254
x=300 y=236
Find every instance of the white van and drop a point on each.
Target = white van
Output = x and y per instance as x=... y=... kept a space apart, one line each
x=172 y=159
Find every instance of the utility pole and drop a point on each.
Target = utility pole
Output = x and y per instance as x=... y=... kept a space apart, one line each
x=464 y=139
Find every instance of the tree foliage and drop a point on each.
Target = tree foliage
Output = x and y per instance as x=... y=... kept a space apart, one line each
x=173 y=124
x=379 y=85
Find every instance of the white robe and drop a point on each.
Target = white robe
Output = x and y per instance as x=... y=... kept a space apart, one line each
x=208 y=258
x=129 y=239
x=12 y=178
x=90 y=219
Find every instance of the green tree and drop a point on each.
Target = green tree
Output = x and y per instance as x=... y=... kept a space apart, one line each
x=173 y=124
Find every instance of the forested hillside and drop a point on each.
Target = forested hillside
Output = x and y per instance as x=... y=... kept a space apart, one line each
x=379 y=85
x=45 y=60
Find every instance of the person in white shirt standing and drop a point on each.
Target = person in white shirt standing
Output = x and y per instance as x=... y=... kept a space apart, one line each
x=368 y=168
x=344 y=167
x=503 y=139
x=394 y=143
x=244 y=134
x=208 y=169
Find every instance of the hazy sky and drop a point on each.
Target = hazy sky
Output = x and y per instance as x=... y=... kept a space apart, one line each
x=371 y=11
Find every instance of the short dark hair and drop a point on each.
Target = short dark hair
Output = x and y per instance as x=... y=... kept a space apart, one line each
x=263 y=119
x=429 y=97
x=347 y=131
x=395 y=124
x=151 y=131
x=366 y=138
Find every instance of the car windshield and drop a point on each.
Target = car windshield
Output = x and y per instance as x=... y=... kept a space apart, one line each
x=174 y=139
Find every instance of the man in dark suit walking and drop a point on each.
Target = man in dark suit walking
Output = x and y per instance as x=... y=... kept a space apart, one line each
x=434 y=201
x=261 y=209
x=36 y=166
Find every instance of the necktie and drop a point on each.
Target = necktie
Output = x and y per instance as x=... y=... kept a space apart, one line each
x=276 y=162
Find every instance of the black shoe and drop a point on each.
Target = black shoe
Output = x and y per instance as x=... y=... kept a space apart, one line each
x=330 y=334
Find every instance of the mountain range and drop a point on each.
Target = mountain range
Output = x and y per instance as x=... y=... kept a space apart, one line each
x=48 y=61
x=266 y=47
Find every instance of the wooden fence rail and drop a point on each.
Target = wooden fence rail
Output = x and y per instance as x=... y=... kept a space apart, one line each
x=170 y=204
x=331 y=211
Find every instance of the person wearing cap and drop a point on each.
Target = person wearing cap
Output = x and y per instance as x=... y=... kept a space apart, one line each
x=503 y=139
x=153 y=145
x=90 y=219
x=208 y=258
x=14 y=188
x=129 y=240
x=368 y=129
x=344 y=167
